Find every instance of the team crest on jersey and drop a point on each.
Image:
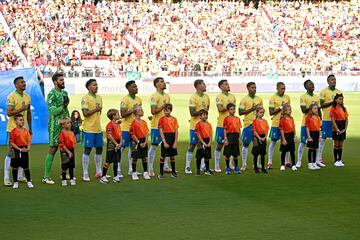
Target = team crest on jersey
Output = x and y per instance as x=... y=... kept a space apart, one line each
x=82 y=102
x=153 y=99
x=217 y=99
x=190 y=102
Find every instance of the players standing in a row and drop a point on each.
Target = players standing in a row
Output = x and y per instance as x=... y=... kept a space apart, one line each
x=18 y=102
x=198 y=101
x=157 y=104
x=58 y=102
x=326 y=100
x=222 y=100
x=248 y=105
x=91 y=106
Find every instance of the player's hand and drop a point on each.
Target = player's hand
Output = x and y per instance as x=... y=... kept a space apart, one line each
x=166 y=145
x=98 y=108
x=294 y=139
x=150 y=118
x=309 y=139
x=240 y=142
x=226 y=142
x=66 y=101
x=208 y=145
x=206 y=108
x=30 y=131
x=26 y=107
x=284 y=142
x=142 y=145
x=174 y=145
x=263 y=139
x=69 y=154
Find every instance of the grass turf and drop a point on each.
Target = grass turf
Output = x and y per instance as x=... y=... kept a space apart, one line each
x=281 y=205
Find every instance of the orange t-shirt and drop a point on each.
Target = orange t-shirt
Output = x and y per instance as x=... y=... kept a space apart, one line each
x=287 y=124
x=260 y=126
x=313 y=123
x=139 y=128
x=21 y=137
x=232 y=124
x=204 y=129
x=114 y=130
x=67 y=139
x=168 y=124
x=338 y=113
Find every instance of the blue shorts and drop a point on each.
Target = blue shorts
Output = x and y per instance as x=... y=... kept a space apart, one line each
x=126 y=139
x=155 y=136
x=303 y=135
x=247 y=136
x=275 y=134
x=326 y=129
x=219 y=135
x=193 y=137
x=92 y=140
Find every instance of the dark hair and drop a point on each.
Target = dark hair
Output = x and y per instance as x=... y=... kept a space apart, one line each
x=129 y=83
x=306 y=82
x=279 y=83
x=230 y=105
x=249 y=84
x=73 y=119
x=88 y=82
x=19 y=115
x=330 y=76
x=311 y=107
x=56 y=76
x=17 y=79
x=156 y=80
x=111 y=113
x=203 y=111
x=221 y=82
x=168 y=106
x=197 y=82
x=338 y=95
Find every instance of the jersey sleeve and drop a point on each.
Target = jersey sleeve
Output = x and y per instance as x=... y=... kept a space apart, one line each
x=281 y=123
x=261 y=102
x=52 y=105
x=242 y=105
x=192 y=102
x=61 y=139
x=84 y=103
x=302 y=101
x=12 y=136
x=132 y=128
x=161 y=123
x=225 y=123
x=10 y=101
x=109 y=129
x=29 y=137
x=208 y=102
x=322 y=95
x=271 y=102
x=176 y=124
x=307 y=121
x=153 y=100
x=332 y=112
x=197 y=128
x=123 y=104
x=254 y=126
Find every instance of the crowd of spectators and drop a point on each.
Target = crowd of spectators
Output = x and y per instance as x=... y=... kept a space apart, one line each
x=211 y=37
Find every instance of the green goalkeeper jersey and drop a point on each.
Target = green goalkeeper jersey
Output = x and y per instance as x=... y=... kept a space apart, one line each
x=57 y=111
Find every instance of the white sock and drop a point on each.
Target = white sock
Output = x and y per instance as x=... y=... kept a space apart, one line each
x=98 y=163
x=320 y=150
x=271 y=151
x=7 y=168
x=130 y=160
x=85 y=164
x=287 y=157
x=20 y=173
x=202 y=163
x=166 y=163
x=300 y=152
x=231 y=160
x=217 y=155
x=188 y=158
x=151 y=157
x=244 y=155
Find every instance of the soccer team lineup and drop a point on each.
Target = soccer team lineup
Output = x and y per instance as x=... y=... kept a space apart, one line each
x=240 y=127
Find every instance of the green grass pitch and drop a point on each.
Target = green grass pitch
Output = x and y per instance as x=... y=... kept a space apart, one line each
x=321 y=204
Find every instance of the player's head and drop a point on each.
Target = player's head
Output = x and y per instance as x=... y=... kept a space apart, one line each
x=200 y=86
x=331 y=80
x=339 y=99
x=203 y=114
x=20 y=83
x=58 y=80
x=309 y=86
x=224 y=85
x=138 y=111
x=19 y=120
x=286 y=109
x=65 y=123
x=231 y=108
x=280 y=88
x=159 y=83
x=251 y=87
x=168 y=107
x=113 y=114
x=260 y=111
x=91 y=85
x=313 y=109
x=131 y=87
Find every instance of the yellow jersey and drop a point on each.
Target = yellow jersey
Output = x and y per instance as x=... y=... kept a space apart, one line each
x=158 y=99
x=327 y=95
x=223 y=100
x=306 y=100
x=275 y=102
x=16 y=100
x=198 y=102
x=91 y=124
x=127 y=103
x=246 y=103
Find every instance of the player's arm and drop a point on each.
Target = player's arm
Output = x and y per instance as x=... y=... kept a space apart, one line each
x=156 y=109
x=200 y=138
x=29 y=120
x=334 y=125
x=176 y=138
x=124 y=112
x=221 y=107
x=14 y=146
x=304 y=109
x=324 y=104
x=163 y=138
x=87 y=113
x=246 y=111
x=11 y=111
x=193 y=112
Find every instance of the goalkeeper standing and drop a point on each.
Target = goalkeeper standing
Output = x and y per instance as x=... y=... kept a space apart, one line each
x=57 y=101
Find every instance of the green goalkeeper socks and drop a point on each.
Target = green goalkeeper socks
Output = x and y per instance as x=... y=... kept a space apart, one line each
x=48 y=164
